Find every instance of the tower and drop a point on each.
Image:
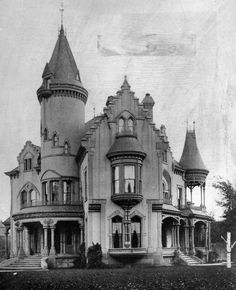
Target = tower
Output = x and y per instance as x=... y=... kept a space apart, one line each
x=191 y=161
x=62 y=98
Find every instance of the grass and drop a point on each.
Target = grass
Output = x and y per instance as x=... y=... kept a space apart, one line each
x=180 y=277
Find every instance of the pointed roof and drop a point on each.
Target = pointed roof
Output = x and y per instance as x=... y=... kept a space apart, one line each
x=191 y=157
x=125 y=85
x=62 y=64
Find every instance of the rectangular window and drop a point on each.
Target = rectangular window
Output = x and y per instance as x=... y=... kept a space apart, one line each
x=180 y=197
x=129 y=178
x=140 y=179
x=27 y=164
x=116 y=179
x=67 y=192
x=85 y=185
x=45 y=192
x=54 y=190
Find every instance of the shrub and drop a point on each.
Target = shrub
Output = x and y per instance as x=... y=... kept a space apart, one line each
x=81 y=261
x=94 y=256
x=199 y=254
x=213 y=256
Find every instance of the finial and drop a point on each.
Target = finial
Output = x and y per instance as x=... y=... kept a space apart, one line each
x=94 y=111
x=187 y=125
x=62 y=10
x=125 y=84
x=193 y=126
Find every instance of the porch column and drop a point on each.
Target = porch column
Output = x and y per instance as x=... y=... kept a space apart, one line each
x=27 y=250
x=191 y=193
x=192 y=246
x=209 y=235
x=204 y=197
x=186 y=239
x=6 y=244
x=52 y=249
x=21 y=253
x=41 y=240
x=45 y=249
x=177 y=236
x=206 y=242
x=201 y=194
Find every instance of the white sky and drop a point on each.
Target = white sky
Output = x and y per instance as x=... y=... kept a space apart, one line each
x=201 y=87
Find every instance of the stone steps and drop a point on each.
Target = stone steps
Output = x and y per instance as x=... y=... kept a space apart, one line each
x=26 y=264
x=189 y=260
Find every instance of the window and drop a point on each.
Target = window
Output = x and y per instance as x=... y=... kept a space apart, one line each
x=164 y=156
x=85 y=184
x=33 y=197
x=23 y=198
x=126 y=179
x=27 y=164
x=180 y=197
x=54 y=186
x=136 y=232
x=116 y=179
x=45 y=192
x=129 y=178
x=117 y=232
x=121 y=125
x=55 y=140
x=66 y=148
x=166 y=184
x=67 y=192
x=45 y=135
x=130 y=125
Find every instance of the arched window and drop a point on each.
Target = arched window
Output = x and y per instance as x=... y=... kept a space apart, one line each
x=45 y=134
x=130 y=125
x=117 y=241
x=55 y=140
x=135 y=232
x=23 y=198
x=121 y=125
x=66 y=148
x=27 y=164
x=54 y=191
x=166 y=184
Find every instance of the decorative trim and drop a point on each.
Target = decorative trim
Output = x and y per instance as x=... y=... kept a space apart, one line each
x=17 y=217
x=94 y=207
x=56 y=155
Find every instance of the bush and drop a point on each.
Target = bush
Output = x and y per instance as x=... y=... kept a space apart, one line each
x=199 y=254
x=94 y=256
x=213 y=256
x=81 y=261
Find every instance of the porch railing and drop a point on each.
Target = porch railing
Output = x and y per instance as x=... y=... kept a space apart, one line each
x=50 y=203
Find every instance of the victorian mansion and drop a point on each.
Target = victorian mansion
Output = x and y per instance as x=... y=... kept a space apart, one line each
x=111 y=180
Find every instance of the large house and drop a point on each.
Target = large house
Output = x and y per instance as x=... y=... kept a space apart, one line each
x=112 y=180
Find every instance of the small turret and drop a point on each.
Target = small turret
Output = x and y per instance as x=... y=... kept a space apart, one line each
x=191 y=160
x=148 y=104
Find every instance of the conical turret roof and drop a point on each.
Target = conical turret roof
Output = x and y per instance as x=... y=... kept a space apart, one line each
x=62 y=64
x=191 y=158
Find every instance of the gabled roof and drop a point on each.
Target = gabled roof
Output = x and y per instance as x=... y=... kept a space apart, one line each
x=62 y=64
x=191 y=157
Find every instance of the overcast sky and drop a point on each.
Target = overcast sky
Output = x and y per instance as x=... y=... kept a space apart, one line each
x=181 y=52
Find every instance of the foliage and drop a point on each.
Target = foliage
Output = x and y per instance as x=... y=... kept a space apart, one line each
x=212 y=257
x=228 y=202
x=94 y=256
x=81 y=261
x=218 y=229
x=199 y=254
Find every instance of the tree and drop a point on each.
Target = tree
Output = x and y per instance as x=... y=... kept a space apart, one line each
x=228 y=201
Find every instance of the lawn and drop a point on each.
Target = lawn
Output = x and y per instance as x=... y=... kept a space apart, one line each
x=180 y=277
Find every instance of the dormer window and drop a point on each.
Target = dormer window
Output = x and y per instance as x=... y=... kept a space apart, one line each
x=55 y=140
x=130 y=125
x=27 y=164
x=121 y=125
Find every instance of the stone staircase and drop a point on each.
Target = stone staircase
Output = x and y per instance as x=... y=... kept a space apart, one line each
x=190 y=261
x=29 y=263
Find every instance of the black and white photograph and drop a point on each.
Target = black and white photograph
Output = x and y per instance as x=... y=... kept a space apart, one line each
x=118 y=144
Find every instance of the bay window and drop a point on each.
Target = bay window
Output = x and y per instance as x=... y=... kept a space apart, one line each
x=126 y=179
